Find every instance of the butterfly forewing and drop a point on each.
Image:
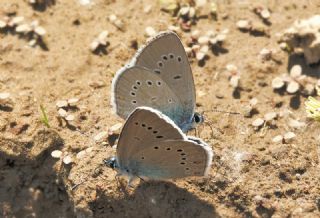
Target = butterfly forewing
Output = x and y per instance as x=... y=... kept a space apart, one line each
x=143 y=128
x=165 y=55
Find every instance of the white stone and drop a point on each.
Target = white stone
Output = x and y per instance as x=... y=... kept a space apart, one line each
x=62 y=112
x=202 y=40
x=67 y=160
x=56 y=154
x=265 y=14
x=270 y=116
x=258 y=122
x=200 y=55
x=94 y=45
x=277 y=83
x=73 y=101
x=40 y=31
x=293 y=87
x=277 y=139
x=115 y=128
x=234 y=81
x=101 y=136
x=289 y=136
x=69 y=117
x=23 y=28
x=150 y=31
x=81 y=154
x=295 y=123
x=62 y=103
x=4 y=95
x=296 y=71
x=244 y=24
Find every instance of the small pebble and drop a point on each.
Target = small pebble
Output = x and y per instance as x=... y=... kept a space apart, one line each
x=23 y=28
x=265 y=54
x=115 y=128
x=288 y=137
x=244 y=25
x=100 y=136
x=295 y=123
x=278 y=138
x=56 y=154
x=202 y=40
x=81 y=154
x=150 y=31
x=258 y=122
x=296 y=71
x=4 y=95
x=195 y=34
x=61 y=104
x=270 y=116
x=62 y=112
x=293 y=87
x=277 y=83
x=265 y=14
x=147 y=9
x=67 y=160
x=69 y=117
x=40 y=31
x=234 y=81
x=73 y=101
x=200 y=56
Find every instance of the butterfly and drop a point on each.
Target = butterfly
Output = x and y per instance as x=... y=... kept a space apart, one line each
x=159 y=76
x=152 y=146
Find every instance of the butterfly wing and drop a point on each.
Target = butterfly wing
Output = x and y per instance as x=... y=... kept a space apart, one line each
x=136 y=86
x=165 y=55
x=171 y=159
x=144 y=127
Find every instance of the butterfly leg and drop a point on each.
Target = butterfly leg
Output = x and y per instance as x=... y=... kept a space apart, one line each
x=132 y=179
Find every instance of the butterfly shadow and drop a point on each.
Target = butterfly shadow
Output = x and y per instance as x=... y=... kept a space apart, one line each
x=153 y=199
x=28 y=179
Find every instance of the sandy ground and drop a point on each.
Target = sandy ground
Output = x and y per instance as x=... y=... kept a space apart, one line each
x=251 y=176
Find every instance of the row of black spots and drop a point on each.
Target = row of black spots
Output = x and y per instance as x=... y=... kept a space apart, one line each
x=167 y=57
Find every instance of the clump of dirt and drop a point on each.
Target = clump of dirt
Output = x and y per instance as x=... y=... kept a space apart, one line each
x=256 y=171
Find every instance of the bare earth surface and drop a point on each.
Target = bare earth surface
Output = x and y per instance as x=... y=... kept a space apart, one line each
x=251 y=175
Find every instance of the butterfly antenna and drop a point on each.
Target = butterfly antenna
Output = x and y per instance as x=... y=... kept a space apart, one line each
x=222 y=111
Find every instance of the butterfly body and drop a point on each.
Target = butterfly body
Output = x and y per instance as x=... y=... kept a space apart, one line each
x=160 y=77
